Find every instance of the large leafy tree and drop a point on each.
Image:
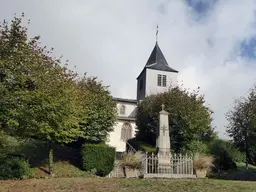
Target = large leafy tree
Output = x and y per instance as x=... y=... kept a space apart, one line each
x=99 y=109
x=39 y=97
x=189 y=119
x=242 y=127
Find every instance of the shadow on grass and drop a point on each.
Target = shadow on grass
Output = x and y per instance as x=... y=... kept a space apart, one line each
x=240 y=174
x=44 y=170
x=36 y=152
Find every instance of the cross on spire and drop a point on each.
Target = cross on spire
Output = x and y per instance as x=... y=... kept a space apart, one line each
x=156 y=33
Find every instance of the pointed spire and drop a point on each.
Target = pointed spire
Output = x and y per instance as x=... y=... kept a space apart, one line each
x=156 y=33
x=157 y=60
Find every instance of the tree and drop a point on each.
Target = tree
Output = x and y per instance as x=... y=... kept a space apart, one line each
x=242 y=127
x=99 y=109
x=39 y=97
x=189 y=119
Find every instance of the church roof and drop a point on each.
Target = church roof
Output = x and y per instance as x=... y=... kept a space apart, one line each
x=157 y=61
x=125 y=100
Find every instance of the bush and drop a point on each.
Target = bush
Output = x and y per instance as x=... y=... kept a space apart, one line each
x=225 y=155
x=14 y=167
x=100 y=157
x=198 y=147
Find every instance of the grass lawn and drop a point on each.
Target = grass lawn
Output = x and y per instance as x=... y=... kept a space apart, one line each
x=129 y=185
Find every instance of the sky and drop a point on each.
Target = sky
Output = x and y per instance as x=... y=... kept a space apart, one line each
x=212 y=43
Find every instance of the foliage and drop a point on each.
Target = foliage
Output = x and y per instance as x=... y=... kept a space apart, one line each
x=189 y=118
x=99 y=109
x=35 y=89
x=198 y=147
x=225 y=155
x=8 y=144
x=98 y=156
x=203 y=162
x=14 y=167
x=131 y=160
x=41 y=98
x=242 y=125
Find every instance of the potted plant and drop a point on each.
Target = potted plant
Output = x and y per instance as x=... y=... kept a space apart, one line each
x=130 y=163
x=202 y=164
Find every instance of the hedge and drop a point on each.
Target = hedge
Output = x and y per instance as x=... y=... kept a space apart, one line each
x=98 y=157
x=14 y=167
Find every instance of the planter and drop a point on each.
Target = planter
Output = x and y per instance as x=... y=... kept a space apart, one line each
x=201 y=173
x=131 y=173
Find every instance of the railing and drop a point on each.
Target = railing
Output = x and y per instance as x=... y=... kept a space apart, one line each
x=172 y=166
x=131 y=147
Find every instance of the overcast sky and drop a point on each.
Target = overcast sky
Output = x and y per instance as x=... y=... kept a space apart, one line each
x=211 y=42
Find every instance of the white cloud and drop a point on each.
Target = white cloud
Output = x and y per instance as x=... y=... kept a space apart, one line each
x=113 y=40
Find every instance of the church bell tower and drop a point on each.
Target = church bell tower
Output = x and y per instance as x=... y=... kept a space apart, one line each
x=157 y=76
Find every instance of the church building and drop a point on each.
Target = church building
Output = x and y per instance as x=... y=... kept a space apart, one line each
x=156 y=77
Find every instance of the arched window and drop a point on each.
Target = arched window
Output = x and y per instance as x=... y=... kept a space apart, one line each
x=122 y=110
x=126 y=132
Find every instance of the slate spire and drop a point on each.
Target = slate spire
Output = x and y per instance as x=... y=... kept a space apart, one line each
x=157 y=60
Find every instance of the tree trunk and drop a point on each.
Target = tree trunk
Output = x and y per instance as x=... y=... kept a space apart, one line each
x=124 y=171
x=50 y=160
x=246 y=152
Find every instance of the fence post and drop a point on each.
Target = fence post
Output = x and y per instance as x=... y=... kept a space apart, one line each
x=192 y=168
x=146 y=163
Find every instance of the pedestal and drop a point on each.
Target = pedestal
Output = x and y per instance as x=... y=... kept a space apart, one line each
x=164 y=162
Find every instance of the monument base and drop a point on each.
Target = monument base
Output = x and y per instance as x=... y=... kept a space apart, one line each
x=164 y=168
x=164 y=162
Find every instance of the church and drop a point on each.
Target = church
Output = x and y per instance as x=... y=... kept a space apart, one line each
x=156 y=77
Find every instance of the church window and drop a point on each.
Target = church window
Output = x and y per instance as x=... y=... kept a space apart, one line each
x=122 y=110
x=141 y=84
x=164 y=80
x=161 y=80
x=126 y=132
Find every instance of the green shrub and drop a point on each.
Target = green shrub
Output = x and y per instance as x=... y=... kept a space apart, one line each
x=198 y=147
x=225 y=155
x=14 y=167
x=100 y=157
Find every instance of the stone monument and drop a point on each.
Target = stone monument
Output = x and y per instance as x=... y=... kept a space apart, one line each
x=163 y=146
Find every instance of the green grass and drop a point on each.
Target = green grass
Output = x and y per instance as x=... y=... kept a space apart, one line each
x=148 y=148
x=242 y=168
x=62 y=169
x=129 y=185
